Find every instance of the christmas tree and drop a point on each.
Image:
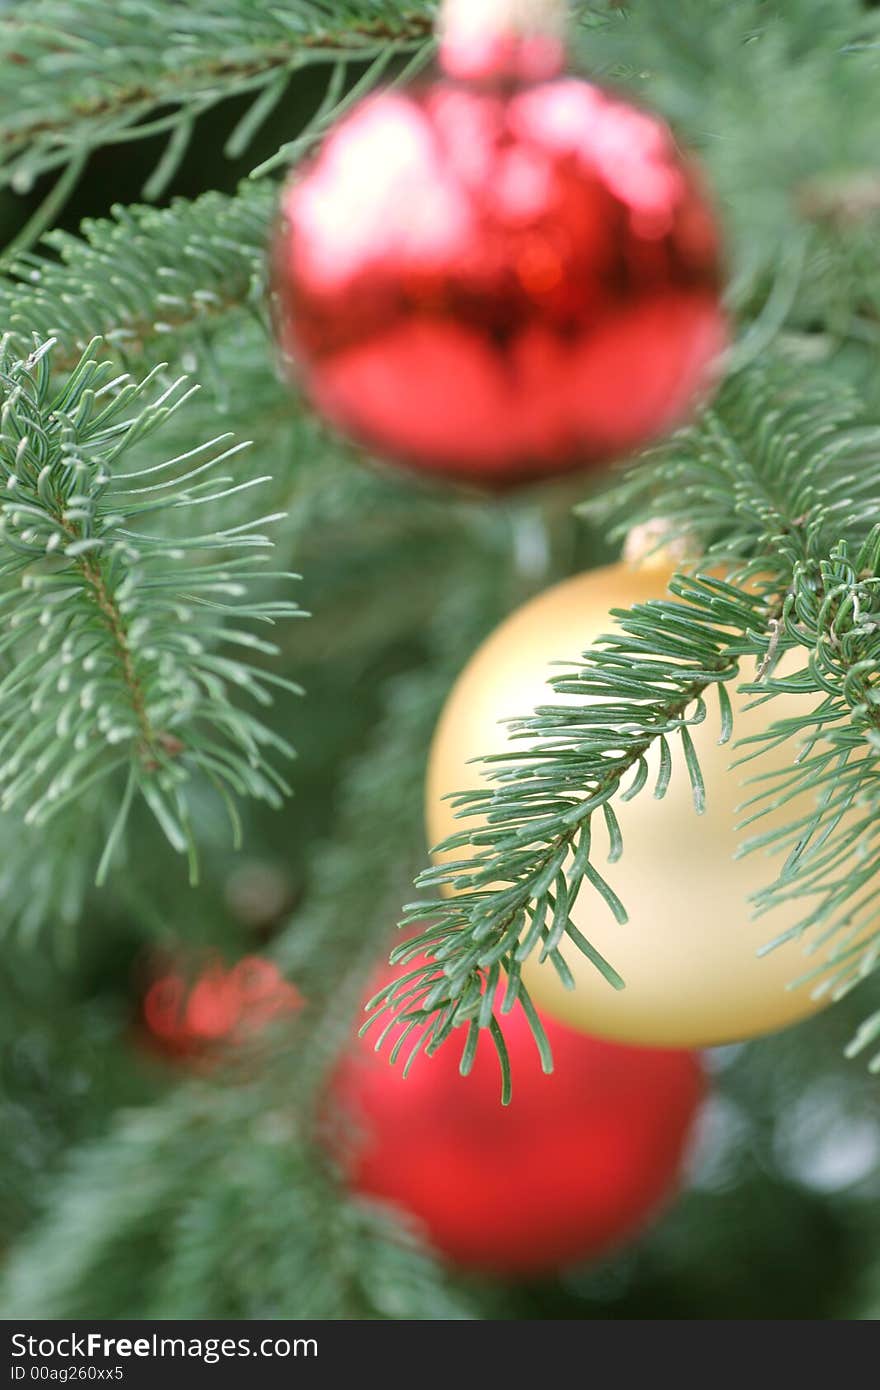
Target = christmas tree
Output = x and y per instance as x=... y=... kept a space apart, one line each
x=211 y=815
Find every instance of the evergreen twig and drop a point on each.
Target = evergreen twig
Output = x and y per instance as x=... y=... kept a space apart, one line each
x=142 y=275
x=740 y=481
x=120 y=645
x=75 y=75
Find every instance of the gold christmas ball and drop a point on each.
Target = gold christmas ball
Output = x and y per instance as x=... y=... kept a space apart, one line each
x=688 y=952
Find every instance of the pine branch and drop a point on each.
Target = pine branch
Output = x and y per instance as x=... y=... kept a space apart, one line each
x=766 y=477
x=832 y=853
x=780 y=468
x=332 y=1258
x=115 y=651
x=216 y=1180
x=46 y=871
x=143 y=274
x=208 y=257
x=44 y=879
x=814 y=263
x=65 y=1064
x=537 y=843
x=742 y=84
x=75 y=75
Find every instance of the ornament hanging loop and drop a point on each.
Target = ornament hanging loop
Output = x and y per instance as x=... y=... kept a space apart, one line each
x=523 y=39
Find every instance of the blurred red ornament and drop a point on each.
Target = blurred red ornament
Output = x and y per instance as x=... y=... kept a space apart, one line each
x=219 y=1007
x=575 y=1165
x=501 y=281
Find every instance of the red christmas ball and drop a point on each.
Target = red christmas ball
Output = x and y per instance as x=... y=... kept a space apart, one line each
x=575 y=1165
x=197 y=1014
x=499 y=282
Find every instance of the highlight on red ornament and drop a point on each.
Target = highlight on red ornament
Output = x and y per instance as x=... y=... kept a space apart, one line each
x=494 y=39
x=577 y=1164
x=218 y=1007
x=499 y=280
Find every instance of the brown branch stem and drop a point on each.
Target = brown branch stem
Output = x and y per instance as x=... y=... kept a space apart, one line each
x=149 y=741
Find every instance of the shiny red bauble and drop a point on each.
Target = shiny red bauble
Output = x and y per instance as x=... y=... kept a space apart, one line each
x=499 y=282
x=574 y=1166
x=197 y=1014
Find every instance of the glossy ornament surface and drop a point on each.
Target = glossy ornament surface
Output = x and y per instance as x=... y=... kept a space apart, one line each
x=499 y=282
x=502 y=39
x=576 y=1164
x=688 y=952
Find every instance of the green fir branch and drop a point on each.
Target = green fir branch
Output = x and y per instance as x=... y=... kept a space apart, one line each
x=124 y=649
x=46 y=872
x=741 y=84
x=142 y=275
x=145 y=274
x=779 y=468
x=75 y=75
x=534 y=850
x=210 y=1180
x=832 y=852
x=765 y=478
